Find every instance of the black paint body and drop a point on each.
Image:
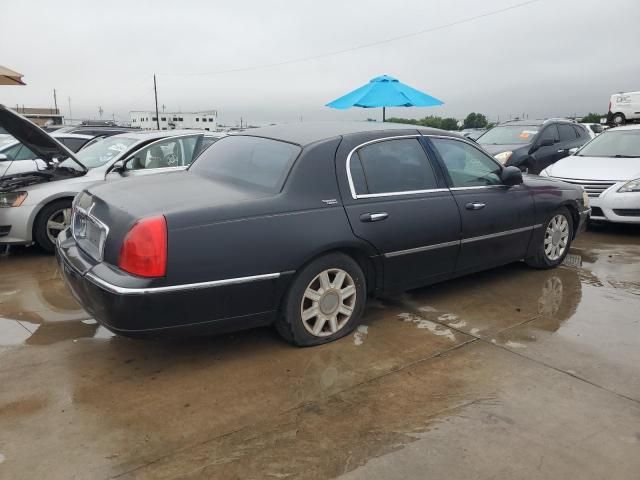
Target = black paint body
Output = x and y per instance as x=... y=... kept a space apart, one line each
x=217 y=231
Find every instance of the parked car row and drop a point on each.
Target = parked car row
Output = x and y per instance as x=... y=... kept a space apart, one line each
x=36 y=201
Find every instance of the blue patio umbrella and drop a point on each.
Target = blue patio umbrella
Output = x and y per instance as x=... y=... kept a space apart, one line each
x=384 y=91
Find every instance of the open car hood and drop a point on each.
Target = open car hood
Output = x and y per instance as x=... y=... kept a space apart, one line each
x=36 y=139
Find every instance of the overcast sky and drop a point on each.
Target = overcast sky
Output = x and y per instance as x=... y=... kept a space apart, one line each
x=547 y=58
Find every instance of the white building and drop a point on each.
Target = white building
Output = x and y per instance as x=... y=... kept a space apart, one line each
x=206 y=120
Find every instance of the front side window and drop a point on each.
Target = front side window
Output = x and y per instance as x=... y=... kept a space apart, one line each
x=550 y=132
x=171 y=152
x=391 y=166
x=567 y=133
x=467 y=166
x=250 y=162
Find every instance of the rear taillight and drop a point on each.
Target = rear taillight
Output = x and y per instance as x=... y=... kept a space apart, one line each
x=144 y=250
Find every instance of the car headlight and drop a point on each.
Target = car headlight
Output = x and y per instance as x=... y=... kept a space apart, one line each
x=585 y=198
x=12 y=199
x=630 y=186
x=503 y=157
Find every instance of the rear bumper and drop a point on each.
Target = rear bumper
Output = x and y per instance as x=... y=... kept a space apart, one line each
x=192 y=309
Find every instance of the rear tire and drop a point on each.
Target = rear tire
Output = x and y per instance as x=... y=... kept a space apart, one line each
x=51 y=220
x=556 y=240
x=325 y=301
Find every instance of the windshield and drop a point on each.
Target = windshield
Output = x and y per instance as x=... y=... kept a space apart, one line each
x=613 y=143
x=101 y=152
x=509 y=135
x=248 y=161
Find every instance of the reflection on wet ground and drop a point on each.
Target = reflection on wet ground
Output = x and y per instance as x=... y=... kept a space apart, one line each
x=513 y=373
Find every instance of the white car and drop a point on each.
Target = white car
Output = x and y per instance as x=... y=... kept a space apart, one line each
x=594 y=129
x=608 y=168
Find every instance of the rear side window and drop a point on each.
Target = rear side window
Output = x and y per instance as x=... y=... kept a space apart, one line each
x=253 y=162
x=391 y=166
x=567 y=133
x=73 y=144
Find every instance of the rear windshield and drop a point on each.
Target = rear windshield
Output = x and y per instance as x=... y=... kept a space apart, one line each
x=509 y=135
x=248 y=161
x=613 y=143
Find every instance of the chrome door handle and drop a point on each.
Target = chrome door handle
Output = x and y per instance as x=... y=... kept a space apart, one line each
x=373 y=217
x=474 y=205
x=563 y=150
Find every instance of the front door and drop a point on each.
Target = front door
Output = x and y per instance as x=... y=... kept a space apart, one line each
x=397 y=202
x=497 y=220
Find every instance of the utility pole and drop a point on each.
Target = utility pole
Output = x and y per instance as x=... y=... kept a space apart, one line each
x=100 y=112
x=155 y=91
x=70 y=115
x=55 y=100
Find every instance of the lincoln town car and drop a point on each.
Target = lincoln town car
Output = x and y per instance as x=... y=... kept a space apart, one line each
x=297 y=225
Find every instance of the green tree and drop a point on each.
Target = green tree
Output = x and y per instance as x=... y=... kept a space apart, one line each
x=475 y=120
x=449 y=124
x=592 y=118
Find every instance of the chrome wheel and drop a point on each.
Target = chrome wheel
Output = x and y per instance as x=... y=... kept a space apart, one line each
x=328 y=302
x=556 y=237
x=58 y=221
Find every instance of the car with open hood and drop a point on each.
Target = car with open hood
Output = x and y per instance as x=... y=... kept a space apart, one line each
x=297 y=224
x=35 y=205
x=608 y=168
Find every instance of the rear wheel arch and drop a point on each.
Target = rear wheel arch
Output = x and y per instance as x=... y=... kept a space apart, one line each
x=359 y=254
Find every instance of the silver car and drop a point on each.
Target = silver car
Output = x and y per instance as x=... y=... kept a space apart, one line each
x=35 y=206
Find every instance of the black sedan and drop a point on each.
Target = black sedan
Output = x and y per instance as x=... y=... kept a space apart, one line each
x=296 y=225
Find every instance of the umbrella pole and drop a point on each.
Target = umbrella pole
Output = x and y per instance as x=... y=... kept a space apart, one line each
x=384 y=119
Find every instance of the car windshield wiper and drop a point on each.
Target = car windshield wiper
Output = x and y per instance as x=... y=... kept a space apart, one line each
x=626 y=156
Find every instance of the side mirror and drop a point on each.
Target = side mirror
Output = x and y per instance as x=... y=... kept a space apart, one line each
x=573 y=151
x=118 y=167
x=3 y=157
x=511 y=176
x=547 y=142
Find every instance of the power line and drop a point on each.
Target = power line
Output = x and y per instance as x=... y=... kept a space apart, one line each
x=363 y=46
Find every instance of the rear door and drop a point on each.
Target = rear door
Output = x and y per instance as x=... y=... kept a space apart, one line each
x=396 y=200
x=496 y=218
x=569 y=138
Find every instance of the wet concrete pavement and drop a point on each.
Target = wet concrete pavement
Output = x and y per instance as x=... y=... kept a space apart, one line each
x=513 y=373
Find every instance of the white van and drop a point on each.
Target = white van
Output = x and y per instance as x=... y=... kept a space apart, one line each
x=623 y=108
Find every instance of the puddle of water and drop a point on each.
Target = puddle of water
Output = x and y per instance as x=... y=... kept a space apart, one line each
x=360 y=334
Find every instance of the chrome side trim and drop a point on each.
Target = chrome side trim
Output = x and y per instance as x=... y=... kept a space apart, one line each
x=175 y=288
x=422 y=249
x=453 y=189
x=409 y=192
x=499 y=234
x=459 y=242
x=373 y=195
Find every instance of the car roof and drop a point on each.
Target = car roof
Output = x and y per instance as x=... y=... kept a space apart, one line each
x=305 y=133
x=142 y=135
x=72 y=135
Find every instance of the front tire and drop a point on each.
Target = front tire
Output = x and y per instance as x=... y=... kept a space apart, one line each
x=52 y=219
x=324 y=302
x=556 y=240
x=619 y=120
